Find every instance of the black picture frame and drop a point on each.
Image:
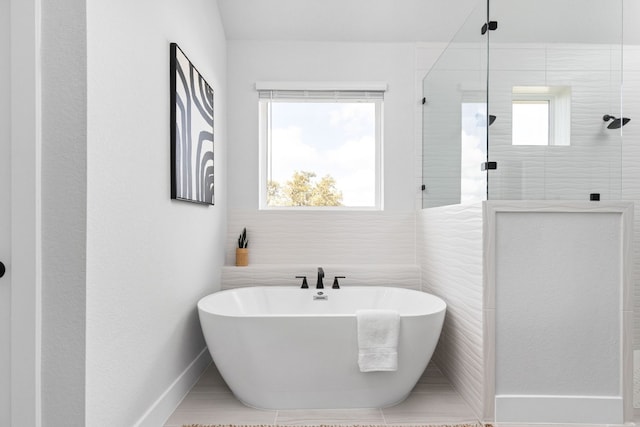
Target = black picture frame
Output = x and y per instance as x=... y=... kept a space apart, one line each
x=192 y=142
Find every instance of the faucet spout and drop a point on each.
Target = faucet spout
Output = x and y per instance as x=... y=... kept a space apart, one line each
x=319 y=284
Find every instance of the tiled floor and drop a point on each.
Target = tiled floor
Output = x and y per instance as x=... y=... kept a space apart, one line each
x=433 y=400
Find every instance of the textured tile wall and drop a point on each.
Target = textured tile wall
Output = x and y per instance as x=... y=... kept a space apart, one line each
x=591 y=163
x=370 y=248
x=396 y=275
x=449 y=251
x=324 y=237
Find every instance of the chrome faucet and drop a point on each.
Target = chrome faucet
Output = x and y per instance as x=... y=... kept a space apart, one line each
x=319 y=284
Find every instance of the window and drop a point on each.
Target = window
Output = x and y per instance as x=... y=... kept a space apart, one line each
x=530 y=122
x=541 y=115
x=320 y=149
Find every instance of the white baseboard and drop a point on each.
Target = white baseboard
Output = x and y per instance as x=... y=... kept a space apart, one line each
x=168 y=401
x=559 y=409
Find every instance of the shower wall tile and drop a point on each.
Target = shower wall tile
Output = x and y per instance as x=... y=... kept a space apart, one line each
x=521 y=57
x=520 y=173
x=593 y=94
x=594 y=76
x=502 y=83
x=324 y=237
x=631 y=108
x=578 y=57
x=631 y=58
x=631 y=169
x=583 y=170
x=617 y=59
x=592 y=162
x=449 y=251
x=462 y=57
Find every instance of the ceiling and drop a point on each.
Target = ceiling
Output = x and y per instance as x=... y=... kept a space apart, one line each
x=396 y=21
x=344 y=20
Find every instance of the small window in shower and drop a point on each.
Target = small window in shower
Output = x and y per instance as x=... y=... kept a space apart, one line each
x=530 y=122
x=541 y=115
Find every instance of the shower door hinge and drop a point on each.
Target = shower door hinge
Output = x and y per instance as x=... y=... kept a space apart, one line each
x=490 y=26
x=488 y=166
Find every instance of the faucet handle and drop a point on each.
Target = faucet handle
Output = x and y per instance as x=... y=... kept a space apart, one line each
x=336 y=285
x=305 y=285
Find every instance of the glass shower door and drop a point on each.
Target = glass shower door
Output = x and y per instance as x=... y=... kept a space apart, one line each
x=554 y=77
x=455 y=119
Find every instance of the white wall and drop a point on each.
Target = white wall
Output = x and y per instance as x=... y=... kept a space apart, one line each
x=64 y=202
x=250 y=62
x=25 y=202
x=5 y=212
x=149 y=259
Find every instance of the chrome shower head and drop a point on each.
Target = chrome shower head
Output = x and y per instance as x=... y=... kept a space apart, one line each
x=616 y=123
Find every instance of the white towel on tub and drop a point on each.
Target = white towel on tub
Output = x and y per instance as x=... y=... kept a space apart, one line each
x=378 y=332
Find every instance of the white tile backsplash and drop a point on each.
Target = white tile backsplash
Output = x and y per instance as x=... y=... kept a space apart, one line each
x=324 y=237
x=396 y=275
x=369 y=248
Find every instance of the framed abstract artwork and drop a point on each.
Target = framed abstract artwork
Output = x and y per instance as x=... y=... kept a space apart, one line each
x=192 y=157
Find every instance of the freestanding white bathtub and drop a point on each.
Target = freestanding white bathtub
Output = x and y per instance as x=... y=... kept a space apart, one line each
x=278 y=348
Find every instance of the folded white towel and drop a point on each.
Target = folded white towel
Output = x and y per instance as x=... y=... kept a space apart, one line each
x=378 y=332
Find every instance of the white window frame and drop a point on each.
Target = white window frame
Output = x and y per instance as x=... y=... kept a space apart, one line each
x=270 y=92
x=559 y=100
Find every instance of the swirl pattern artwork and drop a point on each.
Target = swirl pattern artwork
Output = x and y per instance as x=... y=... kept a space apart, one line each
x=192 y=158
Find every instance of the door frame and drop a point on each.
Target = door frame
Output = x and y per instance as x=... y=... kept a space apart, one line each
x=25 y=213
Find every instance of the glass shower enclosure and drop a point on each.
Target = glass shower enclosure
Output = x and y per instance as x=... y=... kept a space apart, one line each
x=525 y=104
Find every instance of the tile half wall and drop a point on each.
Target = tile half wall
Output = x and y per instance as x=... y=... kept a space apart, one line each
x=324 y=237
